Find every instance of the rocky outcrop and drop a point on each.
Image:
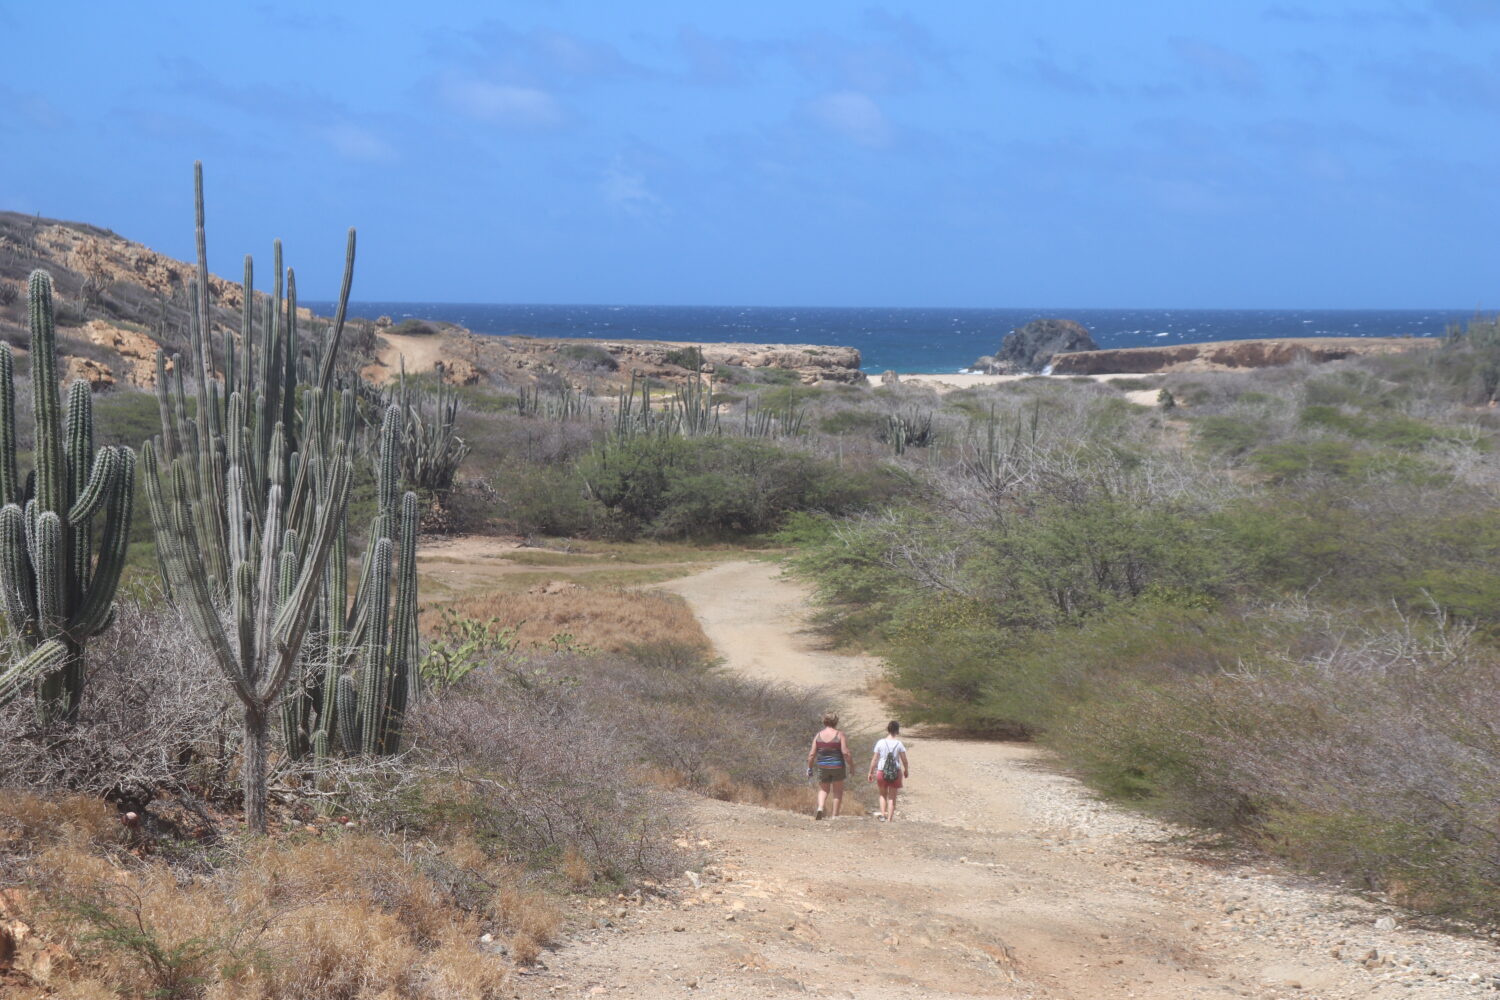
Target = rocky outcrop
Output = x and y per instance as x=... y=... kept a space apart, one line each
x=96 y=373
x=1029 y=349
x=106 y=288
x=1227 y=355
x=136 y=350
x=813 y=363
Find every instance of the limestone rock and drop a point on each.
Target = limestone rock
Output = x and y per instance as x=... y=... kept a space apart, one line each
x=458 y=371
x=890 y=378
x=95 y=373
x=136 y=350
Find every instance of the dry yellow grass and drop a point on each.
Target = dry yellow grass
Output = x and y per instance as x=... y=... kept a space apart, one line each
x=28 y=820
x=605 y=619
x=342 y=917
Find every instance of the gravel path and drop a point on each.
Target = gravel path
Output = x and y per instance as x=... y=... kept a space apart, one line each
x=1002 y=878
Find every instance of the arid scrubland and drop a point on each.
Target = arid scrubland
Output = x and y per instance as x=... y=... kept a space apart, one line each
x=1266 y=605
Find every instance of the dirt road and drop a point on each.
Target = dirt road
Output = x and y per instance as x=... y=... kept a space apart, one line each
x=1000 y=878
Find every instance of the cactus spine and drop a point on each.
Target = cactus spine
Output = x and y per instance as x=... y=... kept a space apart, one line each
x=57 y=592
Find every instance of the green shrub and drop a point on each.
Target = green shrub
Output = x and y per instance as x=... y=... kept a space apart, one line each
x=676 y=487
x=547 y=500
x=413 y=328
x=690 y=358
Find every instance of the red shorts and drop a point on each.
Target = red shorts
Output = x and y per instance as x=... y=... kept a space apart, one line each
x=880 y=780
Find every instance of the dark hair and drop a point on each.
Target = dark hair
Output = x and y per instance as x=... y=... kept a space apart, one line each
x=893 y=727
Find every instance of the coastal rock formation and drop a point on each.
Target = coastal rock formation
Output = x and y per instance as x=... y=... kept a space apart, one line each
x=1029 y=349
x=1227 y=355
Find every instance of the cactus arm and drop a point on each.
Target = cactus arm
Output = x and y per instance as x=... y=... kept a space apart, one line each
x=347 y=717
x=9 y=478
x=96 y=487
x=51 y=472
x=289 y=366
x=372 y=682
x=94 y=614
x=15 y=572
x=47 y=543
x=331 y=349
x=291 y=624
x=203 y=341
x=191 y=581
x=404 y=627
x=39 y=665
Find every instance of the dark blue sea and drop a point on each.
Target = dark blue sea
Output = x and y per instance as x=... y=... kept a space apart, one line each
x=910 y=340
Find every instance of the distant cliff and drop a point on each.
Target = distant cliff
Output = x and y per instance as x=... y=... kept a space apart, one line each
x=1227 y=355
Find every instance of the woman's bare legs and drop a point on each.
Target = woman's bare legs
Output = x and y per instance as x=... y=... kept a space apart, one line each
x=823 y=787
x=888 y=801
x=838 y=797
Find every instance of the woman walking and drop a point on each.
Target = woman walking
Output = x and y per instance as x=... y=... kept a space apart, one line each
x=830 y=755
x=889 y=768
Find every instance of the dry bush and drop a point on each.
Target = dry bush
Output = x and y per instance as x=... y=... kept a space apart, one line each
x=607 y=620
x=520 y=761
x=152 y=720
x=705 y=728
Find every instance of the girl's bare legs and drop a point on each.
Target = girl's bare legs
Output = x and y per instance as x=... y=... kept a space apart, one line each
x=838 y=797
x=823 y=787
x=888 y=803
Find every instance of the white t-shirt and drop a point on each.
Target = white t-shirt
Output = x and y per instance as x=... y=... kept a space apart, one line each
x=888 y=745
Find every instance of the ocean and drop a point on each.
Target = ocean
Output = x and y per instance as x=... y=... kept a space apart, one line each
x=910 y=340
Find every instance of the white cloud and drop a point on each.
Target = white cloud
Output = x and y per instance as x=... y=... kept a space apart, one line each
x=359 y=144
x=853 y=115
x=504 y=104
x=625 y=190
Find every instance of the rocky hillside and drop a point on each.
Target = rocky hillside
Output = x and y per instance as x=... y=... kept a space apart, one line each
x=118 y=301
x=1227 y=355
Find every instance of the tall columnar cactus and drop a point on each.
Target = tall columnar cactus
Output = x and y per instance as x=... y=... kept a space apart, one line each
x=246 y=482
x=56 y=586
x=277 y=573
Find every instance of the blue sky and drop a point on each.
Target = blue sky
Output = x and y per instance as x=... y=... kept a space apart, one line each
x=1068 y=153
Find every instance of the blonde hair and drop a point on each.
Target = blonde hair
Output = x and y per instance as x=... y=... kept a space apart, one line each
x=831 y=720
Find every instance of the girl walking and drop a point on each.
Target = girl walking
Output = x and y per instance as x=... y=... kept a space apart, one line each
x=830 y=755
x=889 y=768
